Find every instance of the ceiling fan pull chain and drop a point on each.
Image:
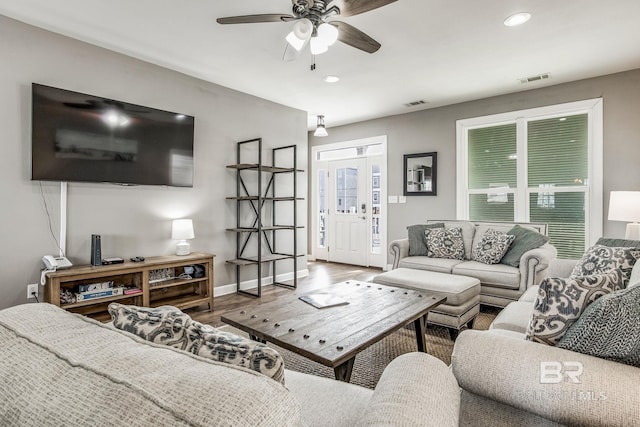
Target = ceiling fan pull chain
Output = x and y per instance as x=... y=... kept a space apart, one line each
x=313 y=63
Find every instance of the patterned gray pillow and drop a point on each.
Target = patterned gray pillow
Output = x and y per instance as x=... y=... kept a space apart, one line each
x=601 y=259
x=169 y=326
x=445 y=243
x=161 y=325
x=560 y=303
x=211 y=343
x=492 y=246
x=609 y=328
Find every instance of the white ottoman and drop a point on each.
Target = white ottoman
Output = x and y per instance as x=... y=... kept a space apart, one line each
x=462 y=292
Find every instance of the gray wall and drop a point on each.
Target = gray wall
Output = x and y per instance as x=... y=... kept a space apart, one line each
x=435 y=130
x=131 y=220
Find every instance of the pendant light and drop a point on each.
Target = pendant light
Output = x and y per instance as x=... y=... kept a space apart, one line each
x=320 y=129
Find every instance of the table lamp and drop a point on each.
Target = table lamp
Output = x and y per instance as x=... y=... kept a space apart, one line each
x=182 y=229
x=625 y=206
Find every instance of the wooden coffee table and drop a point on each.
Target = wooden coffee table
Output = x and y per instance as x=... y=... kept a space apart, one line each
x=333 y=336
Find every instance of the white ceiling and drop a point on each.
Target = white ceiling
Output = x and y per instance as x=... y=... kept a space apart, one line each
x=439 y=51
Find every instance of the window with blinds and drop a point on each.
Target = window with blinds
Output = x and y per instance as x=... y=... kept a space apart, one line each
x=534 y=166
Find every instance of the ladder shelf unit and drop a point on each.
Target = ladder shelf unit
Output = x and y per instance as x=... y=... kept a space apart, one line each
x=265 y=233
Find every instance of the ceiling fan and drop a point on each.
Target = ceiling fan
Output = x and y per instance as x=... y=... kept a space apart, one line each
x=312 y=25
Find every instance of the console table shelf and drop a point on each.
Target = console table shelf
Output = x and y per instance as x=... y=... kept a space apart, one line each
x=182 y=293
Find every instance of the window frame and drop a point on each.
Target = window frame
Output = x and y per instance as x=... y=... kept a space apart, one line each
x=593 y=191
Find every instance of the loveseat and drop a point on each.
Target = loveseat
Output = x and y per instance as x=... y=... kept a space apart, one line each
x=501 y=375
x=500 y=283
x=58 y=368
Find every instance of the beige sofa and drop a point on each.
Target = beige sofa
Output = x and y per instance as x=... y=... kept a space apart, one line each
x=58 y=368
x=500 y=376
x=500 y=284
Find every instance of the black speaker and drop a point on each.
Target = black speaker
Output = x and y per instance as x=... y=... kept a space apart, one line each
x=96 y=251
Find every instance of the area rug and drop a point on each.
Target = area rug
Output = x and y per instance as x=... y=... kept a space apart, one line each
x=370 y=362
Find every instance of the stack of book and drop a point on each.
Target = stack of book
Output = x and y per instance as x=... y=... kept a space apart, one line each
x=98 y=290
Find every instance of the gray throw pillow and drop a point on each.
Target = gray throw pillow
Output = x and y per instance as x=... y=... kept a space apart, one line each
x=525 y=240
x=601 y=259
x=417 y=242
x=609 y=328
x=445 y=243
x=560 y=302
x=492 y=247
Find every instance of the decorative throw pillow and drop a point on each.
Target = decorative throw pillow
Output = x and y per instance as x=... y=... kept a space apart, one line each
x=492 y=247
x=169 y=326
x=609 y=328
x=416 y=236
x=525 y=240
x=560 y=302
x=445 y=243
x=161 y=325
x=602 y=259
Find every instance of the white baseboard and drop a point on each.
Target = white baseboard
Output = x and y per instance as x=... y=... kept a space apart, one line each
x=310 y=258
x=231 y=288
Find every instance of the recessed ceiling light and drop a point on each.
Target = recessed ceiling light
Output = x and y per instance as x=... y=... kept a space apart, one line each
x=517 y=19
x=332 y=79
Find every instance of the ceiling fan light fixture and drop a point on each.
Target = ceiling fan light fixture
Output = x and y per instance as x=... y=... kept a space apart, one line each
x=303 y=29
x=318 y=46
x=320 y=129
x=295 y=42
x=328 y=33
x=300 y=34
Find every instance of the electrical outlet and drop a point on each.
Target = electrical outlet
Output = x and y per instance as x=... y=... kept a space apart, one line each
x=32 y=290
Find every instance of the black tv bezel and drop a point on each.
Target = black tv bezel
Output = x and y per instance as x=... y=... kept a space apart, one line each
x=125 y=182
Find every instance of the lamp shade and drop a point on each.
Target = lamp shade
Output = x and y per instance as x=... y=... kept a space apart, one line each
x=182 y=229
x=624 y=206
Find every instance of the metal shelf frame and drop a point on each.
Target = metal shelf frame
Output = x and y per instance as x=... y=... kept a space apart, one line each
x=265 y=234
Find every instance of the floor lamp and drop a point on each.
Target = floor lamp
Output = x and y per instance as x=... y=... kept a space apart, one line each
x=625 y=206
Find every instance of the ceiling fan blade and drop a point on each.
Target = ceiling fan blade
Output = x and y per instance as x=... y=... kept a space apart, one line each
x=352 y=36
x=356 y=7
x=254 y=19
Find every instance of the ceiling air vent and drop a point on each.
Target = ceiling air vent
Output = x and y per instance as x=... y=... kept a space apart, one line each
x=539 y=77
x=415 y=103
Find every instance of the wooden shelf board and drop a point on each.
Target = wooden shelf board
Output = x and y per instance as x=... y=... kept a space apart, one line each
x=267 y=228
x=98 y=300
x=265 y=168
x=275 y=199
x=183 y=302
x=175 y=282
x=265 y=258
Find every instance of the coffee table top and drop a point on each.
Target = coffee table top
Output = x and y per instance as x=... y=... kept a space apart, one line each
x=333 y=335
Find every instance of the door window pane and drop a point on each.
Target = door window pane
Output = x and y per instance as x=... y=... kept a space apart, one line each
x=347 y=190
x=322 y=212
x=376 y=204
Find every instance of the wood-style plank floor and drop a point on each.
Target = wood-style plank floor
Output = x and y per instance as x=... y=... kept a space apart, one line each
x=320 y=274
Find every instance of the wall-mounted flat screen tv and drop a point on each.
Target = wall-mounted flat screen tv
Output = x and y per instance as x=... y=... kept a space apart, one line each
x=85 y=138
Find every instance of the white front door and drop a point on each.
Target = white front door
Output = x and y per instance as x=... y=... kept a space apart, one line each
x=348 y=211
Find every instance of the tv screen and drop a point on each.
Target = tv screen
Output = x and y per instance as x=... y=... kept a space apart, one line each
x=86 y=138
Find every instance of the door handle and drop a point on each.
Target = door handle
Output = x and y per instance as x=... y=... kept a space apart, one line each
x=363 y=217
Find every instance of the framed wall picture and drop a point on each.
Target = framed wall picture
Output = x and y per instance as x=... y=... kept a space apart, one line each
x=420 y=174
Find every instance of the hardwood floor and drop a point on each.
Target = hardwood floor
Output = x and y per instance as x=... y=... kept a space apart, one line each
x=320 y=274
